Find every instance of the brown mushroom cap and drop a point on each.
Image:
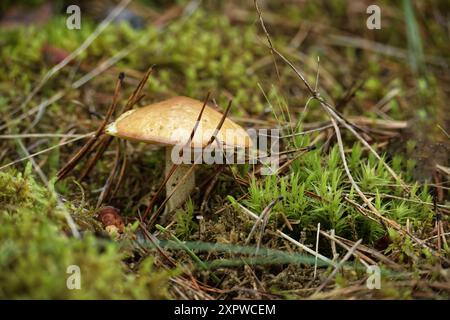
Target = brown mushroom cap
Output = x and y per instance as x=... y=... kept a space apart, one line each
x=170 y=122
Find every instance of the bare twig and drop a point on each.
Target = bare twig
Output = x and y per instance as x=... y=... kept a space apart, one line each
x=285 y=236
x=339 y=265
x=46 y=150
x=88 y=146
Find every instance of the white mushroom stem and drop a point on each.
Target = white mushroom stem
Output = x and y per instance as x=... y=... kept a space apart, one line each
x=184 y=189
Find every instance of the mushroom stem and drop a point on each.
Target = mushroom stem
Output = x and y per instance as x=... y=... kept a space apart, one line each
x=184 y=189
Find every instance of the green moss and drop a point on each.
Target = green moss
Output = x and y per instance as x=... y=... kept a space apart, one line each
x=35 y=252
x=207 y=51
x=323 y=175
x=190 y=58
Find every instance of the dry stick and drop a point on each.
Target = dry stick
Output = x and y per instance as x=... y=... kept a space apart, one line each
x=332 y=113
x=316 y=95
x=174 y=166
x=352 y=180
x=339 y=265
x=45 y=150
x=191 y=169
x=87 y=147
x=361 y=257
x=104 y=144
x=211 y=185
x=101 y=145
x=316 y=254
x=268 y=38
x=285 y=236
x=361 y=194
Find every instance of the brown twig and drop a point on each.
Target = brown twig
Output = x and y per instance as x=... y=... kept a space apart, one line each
x=211 y=185
x=87 y=147
x=174 y=166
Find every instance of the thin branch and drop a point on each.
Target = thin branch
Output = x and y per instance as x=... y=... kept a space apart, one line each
x=45 y=150
x=339 y=265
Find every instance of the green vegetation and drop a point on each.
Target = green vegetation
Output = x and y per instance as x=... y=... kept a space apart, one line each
x=36 y=250
x=324 y=176
x=220 y=48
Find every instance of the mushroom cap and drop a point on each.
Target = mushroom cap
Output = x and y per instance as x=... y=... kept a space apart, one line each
x=170 y=122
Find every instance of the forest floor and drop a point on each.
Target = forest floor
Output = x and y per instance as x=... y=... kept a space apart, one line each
x=363 y=184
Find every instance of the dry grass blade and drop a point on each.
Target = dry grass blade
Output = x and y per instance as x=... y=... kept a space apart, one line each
x=317 y=249
x=262 y=218
x=339 y=265
x=46 y=150
x=285 y=236
x=361 y=257
x=101 y=27
x=41 y=135
x=372 y=252
x=305 y=248
x=70 y=222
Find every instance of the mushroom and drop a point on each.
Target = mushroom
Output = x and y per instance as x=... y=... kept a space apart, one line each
x=170 y=123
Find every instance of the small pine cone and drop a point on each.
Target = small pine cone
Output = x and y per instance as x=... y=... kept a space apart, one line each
x=109 y=216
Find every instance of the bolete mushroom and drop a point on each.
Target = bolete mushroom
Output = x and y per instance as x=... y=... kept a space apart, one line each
x=170 y=123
